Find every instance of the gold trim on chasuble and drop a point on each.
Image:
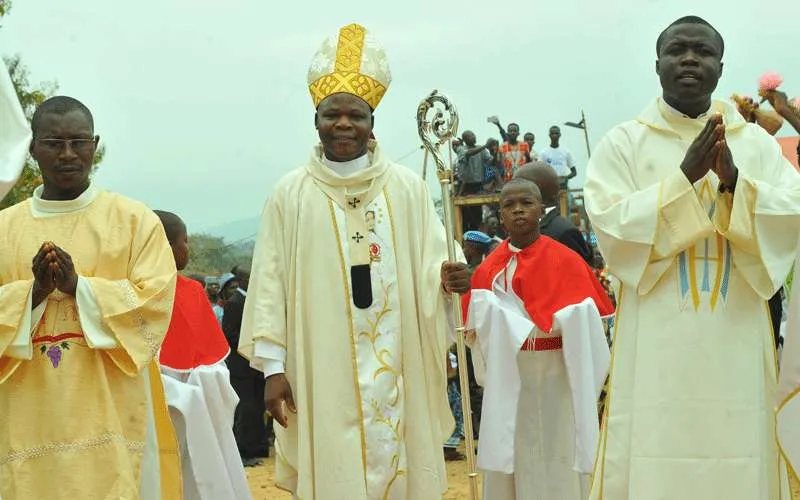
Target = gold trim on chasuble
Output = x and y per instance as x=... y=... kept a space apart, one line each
x=400 y=432
x=346 y=76
x=601 y=446
x=169 y=461
x=85 y=444
x=347 y=295
x=688 y=284
x=367 y=326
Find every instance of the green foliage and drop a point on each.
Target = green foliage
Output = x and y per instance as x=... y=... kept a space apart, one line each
x=211 y=256
x=5 y=6
x=30 y=97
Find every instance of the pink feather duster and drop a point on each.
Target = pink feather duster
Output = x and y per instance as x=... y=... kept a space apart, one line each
x=769 y=81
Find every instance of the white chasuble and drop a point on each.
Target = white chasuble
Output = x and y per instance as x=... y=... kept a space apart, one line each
x=372 y=408
x=691 y=406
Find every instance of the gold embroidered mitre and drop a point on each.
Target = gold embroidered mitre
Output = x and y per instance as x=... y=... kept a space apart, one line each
x=354 y=63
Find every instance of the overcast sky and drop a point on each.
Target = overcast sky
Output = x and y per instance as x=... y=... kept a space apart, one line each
x=204 y=105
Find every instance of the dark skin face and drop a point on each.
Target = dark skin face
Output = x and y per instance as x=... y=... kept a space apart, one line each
x=228 y=289
x=473 y=252
x=555 y=136
x=180 y=250
x=344 y=123
x=243 y=276
x=520 y=209
x=491 y=226
x=492 y=145
x=689 y=66
x=65 y=169
x=530 y=139
x=513 y=133
x=469 y=138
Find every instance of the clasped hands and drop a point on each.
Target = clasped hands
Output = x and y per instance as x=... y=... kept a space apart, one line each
x=710 y=151
x=52 y=269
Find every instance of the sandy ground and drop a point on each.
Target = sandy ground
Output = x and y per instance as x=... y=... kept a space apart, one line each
x=263 y=487
x=262 y=484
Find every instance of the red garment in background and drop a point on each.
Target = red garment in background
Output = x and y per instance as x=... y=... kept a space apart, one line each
x=194 y=337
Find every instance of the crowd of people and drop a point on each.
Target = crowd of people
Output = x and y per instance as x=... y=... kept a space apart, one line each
x=484 y=169
x=121 y=378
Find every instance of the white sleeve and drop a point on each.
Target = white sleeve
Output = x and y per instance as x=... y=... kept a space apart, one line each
x=91 y=318
x=587 y=360
x=22 y=346
x=570 y=160
x=268 y=357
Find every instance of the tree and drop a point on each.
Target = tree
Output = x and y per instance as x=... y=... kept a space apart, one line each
x=30 y=97
x=211 y=256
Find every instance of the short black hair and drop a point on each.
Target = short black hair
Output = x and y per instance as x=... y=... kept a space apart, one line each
x=514 y=124
x=519 y=182
x=173 y=225
x=554 y=127
x=59 y=105
x=689 y=20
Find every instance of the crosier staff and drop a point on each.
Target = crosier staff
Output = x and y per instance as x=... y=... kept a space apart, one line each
x=437 y=123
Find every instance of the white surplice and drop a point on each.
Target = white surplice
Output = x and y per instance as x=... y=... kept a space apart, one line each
x=201 y=404
x=539 y=427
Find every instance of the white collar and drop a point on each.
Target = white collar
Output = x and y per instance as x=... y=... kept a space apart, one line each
x=243 y=292
x=347 y=168
x=513 y=248
x=675 y=112
x=53 y=207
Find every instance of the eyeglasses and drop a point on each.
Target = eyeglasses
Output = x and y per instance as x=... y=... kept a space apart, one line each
x=57 y=145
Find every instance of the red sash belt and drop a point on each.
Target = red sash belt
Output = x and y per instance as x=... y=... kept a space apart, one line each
x=542 y=344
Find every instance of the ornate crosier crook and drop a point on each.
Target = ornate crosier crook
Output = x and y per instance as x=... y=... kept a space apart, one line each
x=437 y=123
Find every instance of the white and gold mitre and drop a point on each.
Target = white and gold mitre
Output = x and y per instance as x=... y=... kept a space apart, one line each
x=352 y=62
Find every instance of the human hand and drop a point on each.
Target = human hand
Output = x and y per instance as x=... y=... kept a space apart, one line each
x=779 y=100
x=65 y=276
x=724 y=167
x=455 y=277
x=278 y=397
x=43 y=273
x=701 y=155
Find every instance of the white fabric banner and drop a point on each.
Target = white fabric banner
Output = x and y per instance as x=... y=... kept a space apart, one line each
x=15 y=134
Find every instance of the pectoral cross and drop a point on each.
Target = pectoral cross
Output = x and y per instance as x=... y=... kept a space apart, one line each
x=358 y=237
x=354 y=202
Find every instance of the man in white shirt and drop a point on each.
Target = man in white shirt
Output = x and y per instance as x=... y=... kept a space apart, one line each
x=558 y=157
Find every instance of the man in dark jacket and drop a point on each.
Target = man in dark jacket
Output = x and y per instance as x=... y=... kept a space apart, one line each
x=249 y=427
x=553 y=224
